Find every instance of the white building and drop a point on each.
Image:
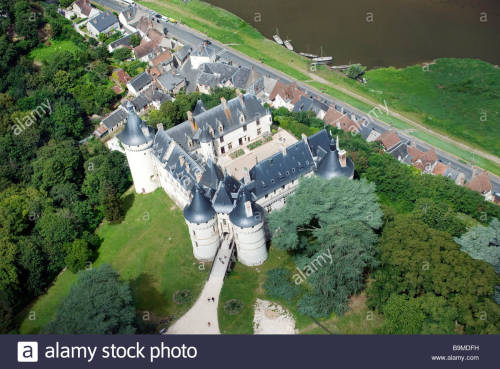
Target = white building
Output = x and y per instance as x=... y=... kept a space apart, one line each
x=83 y=9
x=106 y=22
x=185 y=162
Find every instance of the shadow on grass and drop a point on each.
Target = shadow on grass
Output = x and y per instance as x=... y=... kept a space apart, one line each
x=127 y=202
x=146 y=295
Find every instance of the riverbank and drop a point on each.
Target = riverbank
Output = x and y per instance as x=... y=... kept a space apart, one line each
x=227 y=28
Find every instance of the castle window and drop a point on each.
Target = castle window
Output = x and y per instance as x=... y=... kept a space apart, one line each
x=258 y=121
x=221 y=139
x=259 y=131
x=245 y=128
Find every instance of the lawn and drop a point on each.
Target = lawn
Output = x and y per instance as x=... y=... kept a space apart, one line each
x=150 y=249
x=44 y=54
x=459 y=97
x=245 y=284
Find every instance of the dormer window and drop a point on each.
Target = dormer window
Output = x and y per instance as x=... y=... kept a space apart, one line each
x=211 y=131
x=220 y=127
x=242 y=118
x=245 y=128
x=190 y=143
x=221 y=139
x=258 y=121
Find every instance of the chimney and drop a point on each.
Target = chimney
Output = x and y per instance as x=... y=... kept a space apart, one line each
x=342 y=158
x=337 y=143
x=198 y=176
x=283 y=149
x=194 y=126
x=181 y=160
x=246 y=175
x=159 y=127
x=474 y=171
x=304 y=137
x=248 y=209
x=240 y=96
x=226 y=108
x=413 y=144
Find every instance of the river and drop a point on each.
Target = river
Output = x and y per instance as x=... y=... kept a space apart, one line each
x=379 y=32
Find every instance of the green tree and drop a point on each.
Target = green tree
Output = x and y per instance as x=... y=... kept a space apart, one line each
x=135 y=40
x=483 y=243
x=57 y=163
x=122 y=53
x=355 y=71
x=78 y=255
x=111 y=204
x=329 y=227
x=98 y=303
x=279 y=285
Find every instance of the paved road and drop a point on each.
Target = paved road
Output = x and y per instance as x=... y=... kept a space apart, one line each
x=194 y=38
x=202 y=318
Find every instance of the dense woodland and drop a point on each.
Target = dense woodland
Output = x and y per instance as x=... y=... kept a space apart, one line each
x=53 y=191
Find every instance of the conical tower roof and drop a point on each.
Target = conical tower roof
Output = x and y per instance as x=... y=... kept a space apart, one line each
x=238 y=215
x=329 y=167
x=200 y=209
x=133 y=134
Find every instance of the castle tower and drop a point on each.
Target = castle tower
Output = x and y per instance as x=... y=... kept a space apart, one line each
x=247 y=219
x=201 y=220
x=137 y=139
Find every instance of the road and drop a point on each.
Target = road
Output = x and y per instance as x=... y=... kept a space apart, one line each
x=202 y=318
x=194 y=38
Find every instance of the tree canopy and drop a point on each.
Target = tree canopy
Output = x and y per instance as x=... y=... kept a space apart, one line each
x=98 y=303
x=329 y=228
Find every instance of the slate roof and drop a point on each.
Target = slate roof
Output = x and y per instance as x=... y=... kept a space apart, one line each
x=169 y=81
x=140 y=102
x=141 y=81
x=240 y=77
x=199 y=108
x=212 y=175
x=115 y=118
x=308 y=104
x=136 y=132
x=183 y=53
x=211 y=118
x=124 y=41
x=103 y=21
x=329 y=167
x=200 y=209
x=278 y=170
x=183 y=171
x=238 y=215
x=223 y=200
x=400 y=151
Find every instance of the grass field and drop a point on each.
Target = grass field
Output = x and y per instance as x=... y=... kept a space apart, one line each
x=151 y=249
x=45 y=53
x=460 y=97
x=245 y=284
x=478 y=78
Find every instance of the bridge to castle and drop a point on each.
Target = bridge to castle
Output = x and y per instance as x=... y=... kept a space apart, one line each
x=202 y=318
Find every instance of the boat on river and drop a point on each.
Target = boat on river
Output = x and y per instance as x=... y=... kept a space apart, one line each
x=310 y=56
x=278 y=39
x=323 y=59
x=288 y=45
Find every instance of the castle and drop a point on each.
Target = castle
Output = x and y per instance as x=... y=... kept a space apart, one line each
x=187 y=162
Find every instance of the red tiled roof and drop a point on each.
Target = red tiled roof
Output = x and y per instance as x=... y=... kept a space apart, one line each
x=122 y=76
x=480 y=183
x=289 y=92
x=388 y=139
x=439 y=169
x=145 y=48
x=84 y=6
x=163 y=57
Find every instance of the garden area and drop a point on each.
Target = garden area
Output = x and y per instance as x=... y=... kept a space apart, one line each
x=151 y=250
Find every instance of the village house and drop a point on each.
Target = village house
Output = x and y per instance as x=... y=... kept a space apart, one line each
x=83 y=9
x=139 y=83
x=309 y=104
x=285 y=96
x=122 y=42
x=480 y=182
x=106 y=23
x=171 y=83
